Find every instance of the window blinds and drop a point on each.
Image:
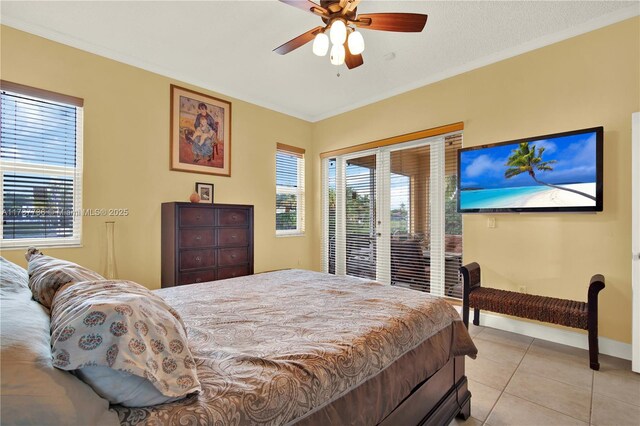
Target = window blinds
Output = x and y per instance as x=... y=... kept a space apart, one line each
x=329 y=215
x=41 y=168
x=414 y=218
x=452 y=219
x=390 y=215
x=290 y=190
x=360 y=216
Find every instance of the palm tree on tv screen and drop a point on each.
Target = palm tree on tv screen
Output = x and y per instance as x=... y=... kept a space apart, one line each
x=525 y=159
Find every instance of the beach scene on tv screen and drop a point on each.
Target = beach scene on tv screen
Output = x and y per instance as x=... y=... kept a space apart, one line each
x=552 y=172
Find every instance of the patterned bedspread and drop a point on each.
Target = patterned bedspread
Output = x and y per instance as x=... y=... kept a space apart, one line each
x=274 y=347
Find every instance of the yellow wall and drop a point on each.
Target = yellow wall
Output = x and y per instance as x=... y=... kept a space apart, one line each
x=126 y=157
x=589 y=80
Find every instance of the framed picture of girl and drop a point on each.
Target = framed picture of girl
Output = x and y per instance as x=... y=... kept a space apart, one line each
x=200 y=133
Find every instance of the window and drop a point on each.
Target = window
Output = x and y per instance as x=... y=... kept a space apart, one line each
x=289 y=190
x=40 y=167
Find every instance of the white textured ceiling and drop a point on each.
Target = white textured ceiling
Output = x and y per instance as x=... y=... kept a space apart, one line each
x=226 y=46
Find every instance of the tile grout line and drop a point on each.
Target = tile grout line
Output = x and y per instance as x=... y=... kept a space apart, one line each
x=544 y=406
x=507 y=384
x=503 y=391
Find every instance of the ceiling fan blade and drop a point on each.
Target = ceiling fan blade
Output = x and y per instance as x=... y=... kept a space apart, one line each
x=307 y=6
x=400 y=22
x=348 y=5
x=352 y=61
x=301 y=40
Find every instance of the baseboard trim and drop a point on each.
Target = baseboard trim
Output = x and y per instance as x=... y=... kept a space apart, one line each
x=557 y=335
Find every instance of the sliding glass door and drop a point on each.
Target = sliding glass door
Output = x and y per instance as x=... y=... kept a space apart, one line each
x=387 y=215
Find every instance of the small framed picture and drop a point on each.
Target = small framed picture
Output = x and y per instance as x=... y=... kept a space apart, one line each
x=205 y=191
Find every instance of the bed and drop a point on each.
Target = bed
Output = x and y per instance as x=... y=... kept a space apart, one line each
x=285 y=347
x=310 y=348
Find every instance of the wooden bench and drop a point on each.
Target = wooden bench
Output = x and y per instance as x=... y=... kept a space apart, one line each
x=569 y=313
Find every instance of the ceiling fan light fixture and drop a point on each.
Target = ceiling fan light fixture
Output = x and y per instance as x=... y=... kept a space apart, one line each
x=356 y=43
x=320 y=44
x=337 y=54
x=338 y=32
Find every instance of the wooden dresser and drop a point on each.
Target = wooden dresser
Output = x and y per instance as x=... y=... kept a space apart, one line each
x=205 y=242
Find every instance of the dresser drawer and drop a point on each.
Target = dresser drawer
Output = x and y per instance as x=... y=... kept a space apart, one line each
x=193 y=238
x=233 y=217
x=194 y=216
x=196 y=277
x=233 y=256
x=233 y=237
x=233 y=271
x=193 y=259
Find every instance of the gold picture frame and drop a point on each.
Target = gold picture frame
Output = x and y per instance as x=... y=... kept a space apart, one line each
x=200 y=133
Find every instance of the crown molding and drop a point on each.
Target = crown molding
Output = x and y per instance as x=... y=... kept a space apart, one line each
x=105 y=52
x=549 y=39
x=591 y=25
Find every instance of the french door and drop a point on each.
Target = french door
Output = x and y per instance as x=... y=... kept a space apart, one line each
x=386 y=214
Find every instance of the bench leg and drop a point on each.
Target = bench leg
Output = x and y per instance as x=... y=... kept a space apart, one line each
x=593 y=348
x=476 y=316
x=596 y=284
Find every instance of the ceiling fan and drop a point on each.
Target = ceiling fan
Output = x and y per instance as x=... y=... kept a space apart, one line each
x=340 y=18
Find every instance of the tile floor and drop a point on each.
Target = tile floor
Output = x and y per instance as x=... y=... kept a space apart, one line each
x=518 y=380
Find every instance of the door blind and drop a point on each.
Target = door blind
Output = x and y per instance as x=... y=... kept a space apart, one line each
x=394 y=215
x=410 y=220
x=360 y=216
x=41 y=168
x=452 y=219
x=329 y=215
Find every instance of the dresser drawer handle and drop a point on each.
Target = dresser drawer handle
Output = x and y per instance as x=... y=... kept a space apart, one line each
x=198 y=280
x=234 y=218
x=233 y=274
x=234 y=236
x=197 y=258
x=233 y=256
x=198 y=217
x=198 y=237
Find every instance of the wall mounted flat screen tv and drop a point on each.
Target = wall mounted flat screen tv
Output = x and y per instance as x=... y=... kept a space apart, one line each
x=552 y=173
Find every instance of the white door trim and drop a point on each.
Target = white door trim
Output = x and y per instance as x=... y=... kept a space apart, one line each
x=635 y=239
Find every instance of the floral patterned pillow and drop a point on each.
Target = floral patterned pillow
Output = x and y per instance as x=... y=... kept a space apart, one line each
x=124 y=326
x=47 y=274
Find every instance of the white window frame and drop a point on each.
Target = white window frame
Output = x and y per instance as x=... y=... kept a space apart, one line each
x=47 y=170
x=299 y=193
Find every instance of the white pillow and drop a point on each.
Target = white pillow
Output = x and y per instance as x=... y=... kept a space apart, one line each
x=13 y=278
x=33 y=392
x=122 y=388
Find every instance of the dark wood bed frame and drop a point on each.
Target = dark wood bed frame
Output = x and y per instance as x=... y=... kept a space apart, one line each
x=437 y=400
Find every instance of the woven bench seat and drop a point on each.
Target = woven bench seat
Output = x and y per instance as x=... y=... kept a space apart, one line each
x=565 y=312
x=541 y=308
